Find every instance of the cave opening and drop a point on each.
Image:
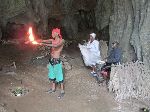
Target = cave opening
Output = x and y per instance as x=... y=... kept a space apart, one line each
x=14 y=31
x=86 y=20
x=104 y=34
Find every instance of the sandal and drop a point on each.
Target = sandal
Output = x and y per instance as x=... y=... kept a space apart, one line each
x=62 y=93
x=94 y=74
x=50 y=91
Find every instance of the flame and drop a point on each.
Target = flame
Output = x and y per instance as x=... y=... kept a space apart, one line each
x=31 y=36
x=34 y=42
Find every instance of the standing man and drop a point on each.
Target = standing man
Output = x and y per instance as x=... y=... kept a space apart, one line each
x=55 y=73
x=94 y=48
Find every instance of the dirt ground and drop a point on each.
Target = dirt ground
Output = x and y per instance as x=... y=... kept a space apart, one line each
x=82 y=93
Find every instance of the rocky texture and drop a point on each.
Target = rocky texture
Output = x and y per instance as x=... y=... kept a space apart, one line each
x=16 y=12
x=0 y=33
x=121 y=27
x=130 y=80
x=2 y=108
x=129 y=25
x=102 y=13
x=103 y=49
x=38 y=13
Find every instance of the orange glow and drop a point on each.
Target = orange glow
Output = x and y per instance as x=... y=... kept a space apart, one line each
x=34 y=42
x=31 y=36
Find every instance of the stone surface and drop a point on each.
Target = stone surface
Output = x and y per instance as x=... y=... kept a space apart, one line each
x=0 y=33
x=102 y=13
x=130 y=80
x=129 y=25
x=121 y=27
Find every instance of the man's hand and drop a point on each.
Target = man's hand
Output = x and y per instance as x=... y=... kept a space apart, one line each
x=48 y=40
x=40 y=44
x=27 y=42
x=45 y=44
x=50 y=45
x=78 y=45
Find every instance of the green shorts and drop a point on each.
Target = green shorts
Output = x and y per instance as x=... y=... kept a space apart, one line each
x=55 y=72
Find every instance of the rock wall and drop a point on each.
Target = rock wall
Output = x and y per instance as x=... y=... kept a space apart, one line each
x=103 y=11
x=0 y=33
x=129 y=24
x=37 y=13
x=130 y=80
x=121 y=27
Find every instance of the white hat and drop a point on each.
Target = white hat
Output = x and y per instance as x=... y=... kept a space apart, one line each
x=93 y=35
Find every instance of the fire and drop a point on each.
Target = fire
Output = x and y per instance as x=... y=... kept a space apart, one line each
x=31 y=36
x=34 y=42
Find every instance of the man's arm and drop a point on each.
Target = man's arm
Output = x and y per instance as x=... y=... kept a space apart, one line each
x=50 y=45
x=45 y=44
x=47 y=41
x=58 y=44
x=88 y=45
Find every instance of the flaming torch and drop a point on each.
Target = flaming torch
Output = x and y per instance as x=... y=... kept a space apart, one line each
x=31 y=36
x=32 y=39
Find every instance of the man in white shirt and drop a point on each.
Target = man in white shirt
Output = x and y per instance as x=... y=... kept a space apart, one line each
x=91 y=52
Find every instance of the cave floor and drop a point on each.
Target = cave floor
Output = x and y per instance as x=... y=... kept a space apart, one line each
x=82 y=93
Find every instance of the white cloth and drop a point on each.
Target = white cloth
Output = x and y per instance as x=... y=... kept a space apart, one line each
x=90 y=53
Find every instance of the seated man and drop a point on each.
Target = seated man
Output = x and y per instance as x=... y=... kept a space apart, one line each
x=114 y=57
x=91 y=52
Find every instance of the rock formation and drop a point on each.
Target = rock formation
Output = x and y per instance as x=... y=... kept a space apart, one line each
x=130 y=80
x=129 y=25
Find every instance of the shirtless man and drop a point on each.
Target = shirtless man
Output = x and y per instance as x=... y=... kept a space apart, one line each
x=55 y=73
